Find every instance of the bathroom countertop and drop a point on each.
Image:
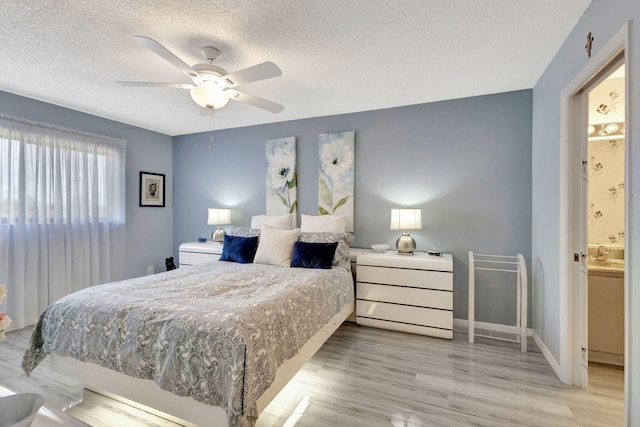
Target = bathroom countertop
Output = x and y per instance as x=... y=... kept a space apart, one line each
x=609 y=267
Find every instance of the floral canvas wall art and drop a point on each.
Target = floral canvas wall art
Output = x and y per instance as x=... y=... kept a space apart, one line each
x=336 y=175
x=282 y=180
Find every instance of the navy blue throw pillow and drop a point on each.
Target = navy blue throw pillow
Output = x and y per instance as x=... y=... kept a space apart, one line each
x=239 y=249
x=313 y=255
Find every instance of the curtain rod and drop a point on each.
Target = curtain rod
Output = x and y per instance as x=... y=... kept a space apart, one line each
x=62 y=129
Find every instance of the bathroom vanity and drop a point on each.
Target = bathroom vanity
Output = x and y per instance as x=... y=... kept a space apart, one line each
x=606 y=310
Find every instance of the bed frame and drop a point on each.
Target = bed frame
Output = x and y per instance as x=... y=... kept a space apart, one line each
x=146 y=395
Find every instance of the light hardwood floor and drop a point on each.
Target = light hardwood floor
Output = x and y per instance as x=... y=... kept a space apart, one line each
x=373 y=377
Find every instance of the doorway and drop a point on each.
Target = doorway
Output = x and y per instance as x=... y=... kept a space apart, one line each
x=573 y=263
x=603 y=204
x=605 y=209
x=597 y=220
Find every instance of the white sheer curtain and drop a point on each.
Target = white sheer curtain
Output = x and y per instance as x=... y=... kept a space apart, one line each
x=62 y=214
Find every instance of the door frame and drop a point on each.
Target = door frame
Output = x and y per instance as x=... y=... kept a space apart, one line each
x=569 y=291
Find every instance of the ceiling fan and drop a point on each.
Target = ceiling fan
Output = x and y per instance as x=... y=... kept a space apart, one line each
x=212 y=86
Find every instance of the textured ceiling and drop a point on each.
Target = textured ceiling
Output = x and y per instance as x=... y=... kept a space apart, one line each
x=336 y=56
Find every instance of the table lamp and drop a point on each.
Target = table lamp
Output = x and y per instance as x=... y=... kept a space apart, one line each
x=406 y=219
x=218 y=217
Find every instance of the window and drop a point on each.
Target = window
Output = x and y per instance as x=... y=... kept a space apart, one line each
x=62 y=214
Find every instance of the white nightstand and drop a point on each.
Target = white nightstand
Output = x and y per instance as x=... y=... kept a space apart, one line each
x=408 y=293
x=196 y=253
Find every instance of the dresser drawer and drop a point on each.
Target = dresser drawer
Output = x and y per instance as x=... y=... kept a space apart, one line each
x=409 y=296
x=406 y=277
x=405 y=327
x=192 y=258
x=404 y=314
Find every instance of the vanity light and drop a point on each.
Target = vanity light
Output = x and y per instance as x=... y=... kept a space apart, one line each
x=604 y=131
x=406 y=219
x=218 y=217
x=609 y=129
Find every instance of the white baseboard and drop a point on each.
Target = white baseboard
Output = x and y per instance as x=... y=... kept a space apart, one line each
x=462 y=325
x=547 y=355
x=606 y=358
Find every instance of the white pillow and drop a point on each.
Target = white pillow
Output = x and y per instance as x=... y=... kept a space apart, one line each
x=323 y=223
x=276 y=246
x=282 y=222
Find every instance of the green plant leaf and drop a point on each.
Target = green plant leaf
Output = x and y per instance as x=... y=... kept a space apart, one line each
x=340 y=203
x=294 y=181
x=284 y=201
x=322 y=211
x=325 y=192
x=294 y=207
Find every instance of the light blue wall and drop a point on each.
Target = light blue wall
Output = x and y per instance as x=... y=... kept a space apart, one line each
x=466 y=163
x=149 y=230
x=603 y=19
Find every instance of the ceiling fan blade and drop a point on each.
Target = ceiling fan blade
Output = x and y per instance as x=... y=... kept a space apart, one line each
x=266 y=70
x=255 y=101
x=154 y=84
x=167 y=55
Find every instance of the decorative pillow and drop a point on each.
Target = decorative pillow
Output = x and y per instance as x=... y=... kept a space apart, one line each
x=243 y=232
x=282 y=222
x=313 y=255
x=276 y=246
x=239 y=249
x=341 y=257
x=323 y=223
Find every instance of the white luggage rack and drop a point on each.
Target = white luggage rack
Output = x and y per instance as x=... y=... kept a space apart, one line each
x=509 y=264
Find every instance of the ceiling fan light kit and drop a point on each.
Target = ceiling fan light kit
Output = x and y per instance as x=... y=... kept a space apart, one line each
x=209 y=97
x=212 y=85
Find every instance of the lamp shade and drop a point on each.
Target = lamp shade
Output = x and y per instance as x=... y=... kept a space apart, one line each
x=406 y=219
x=209 y=96
x=219 y=216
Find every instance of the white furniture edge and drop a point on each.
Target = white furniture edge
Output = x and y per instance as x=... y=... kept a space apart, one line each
x=47 y=416
x=192 y=253
x=444 y=262
x=207 y=247
x=146 y=395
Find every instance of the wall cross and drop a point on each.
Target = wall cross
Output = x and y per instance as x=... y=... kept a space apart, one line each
x=588 y=45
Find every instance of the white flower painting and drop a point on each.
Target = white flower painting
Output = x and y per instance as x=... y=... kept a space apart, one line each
x=336 y=175
x=282 y=180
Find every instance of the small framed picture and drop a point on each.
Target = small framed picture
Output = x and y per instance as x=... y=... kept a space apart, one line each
x=152 y=189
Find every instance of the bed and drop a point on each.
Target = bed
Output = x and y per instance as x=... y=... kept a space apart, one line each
x=213 y=341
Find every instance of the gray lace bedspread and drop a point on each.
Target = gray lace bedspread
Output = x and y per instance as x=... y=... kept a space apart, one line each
x=216 y=332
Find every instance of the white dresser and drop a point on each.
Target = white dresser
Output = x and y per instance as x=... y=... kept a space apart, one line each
x=196 y=253
x=408 y=293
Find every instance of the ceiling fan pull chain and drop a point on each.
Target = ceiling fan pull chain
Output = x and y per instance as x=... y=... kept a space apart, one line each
x=211 y=131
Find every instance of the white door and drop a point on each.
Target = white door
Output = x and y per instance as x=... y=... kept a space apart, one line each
x=583 y=274
x=580 y=182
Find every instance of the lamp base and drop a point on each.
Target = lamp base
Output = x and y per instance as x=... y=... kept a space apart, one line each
x=405 y=244
x=218 y=235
